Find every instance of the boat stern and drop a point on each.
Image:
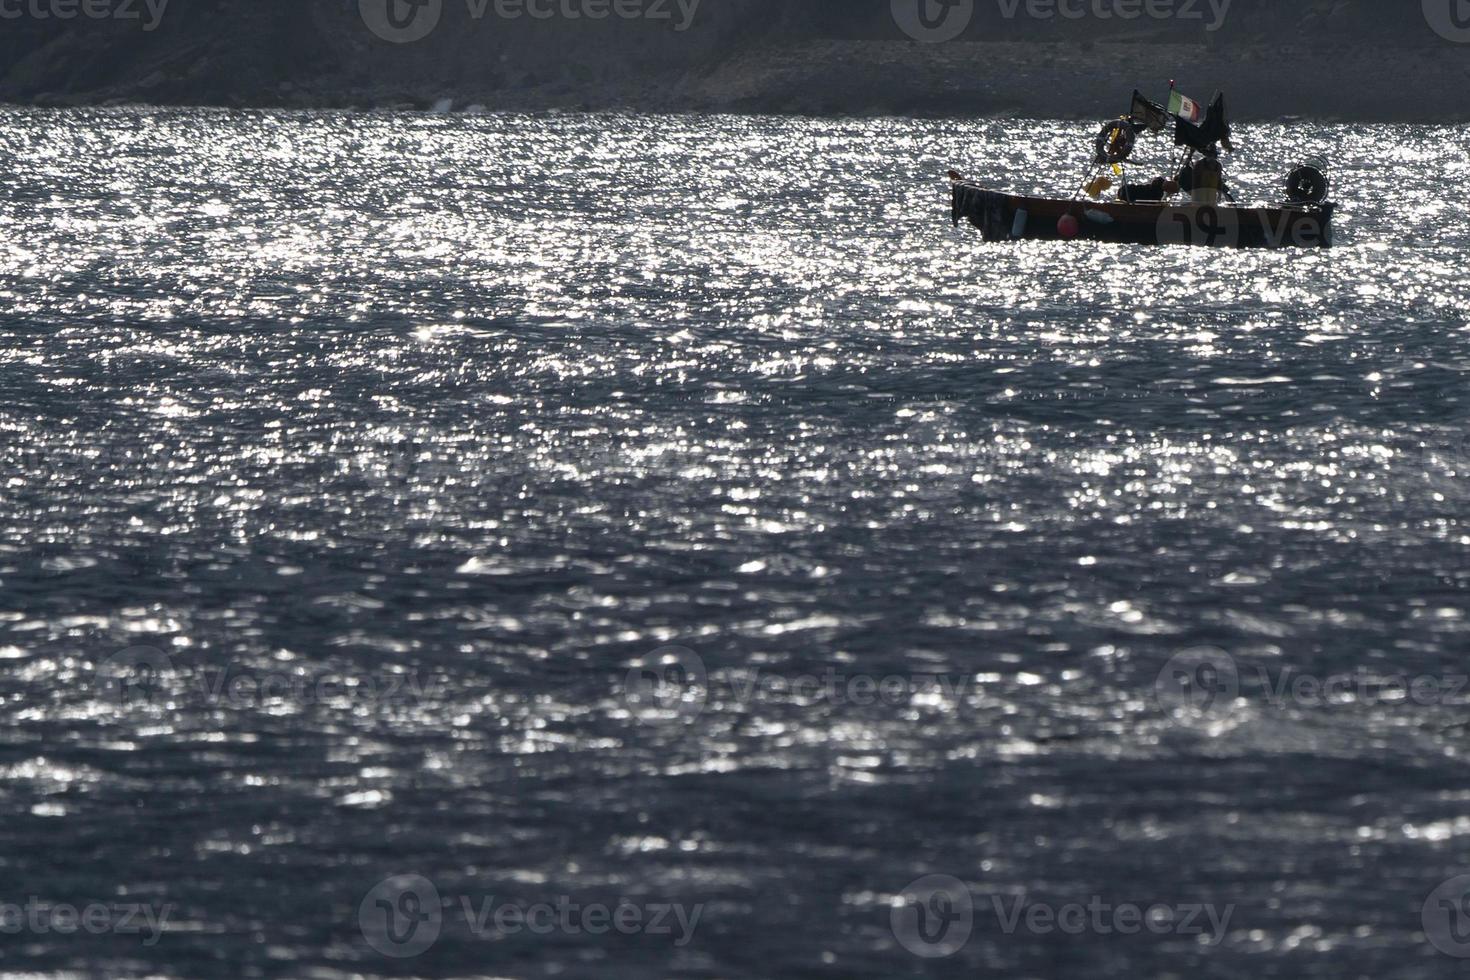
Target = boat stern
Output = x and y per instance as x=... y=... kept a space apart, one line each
x=990 y=211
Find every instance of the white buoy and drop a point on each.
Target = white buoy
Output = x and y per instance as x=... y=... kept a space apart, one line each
x=1018 y=227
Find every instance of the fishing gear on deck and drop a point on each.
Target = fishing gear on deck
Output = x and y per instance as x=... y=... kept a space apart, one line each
x=1188 y=203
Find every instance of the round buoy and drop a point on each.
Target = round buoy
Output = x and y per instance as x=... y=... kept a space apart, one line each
x=1068 y=227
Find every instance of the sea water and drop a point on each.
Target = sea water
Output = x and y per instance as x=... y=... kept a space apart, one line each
x=411 y=522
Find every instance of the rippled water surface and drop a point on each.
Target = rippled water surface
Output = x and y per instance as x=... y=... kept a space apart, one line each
x=373 y=452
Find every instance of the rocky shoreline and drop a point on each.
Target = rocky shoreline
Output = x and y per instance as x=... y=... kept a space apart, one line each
x=883 y=78
x=321 y=57
x=1091 y=80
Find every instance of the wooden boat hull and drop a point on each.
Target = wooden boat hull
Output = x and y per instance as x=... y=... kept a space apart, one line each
x=1011 y=217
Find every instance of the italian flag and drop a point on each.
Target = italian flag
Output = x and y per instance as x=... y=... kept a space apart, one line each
x=1185 y=108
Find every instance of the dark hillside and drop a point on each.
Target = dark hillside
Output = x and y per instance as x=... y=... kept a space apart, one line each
x=1333 y=58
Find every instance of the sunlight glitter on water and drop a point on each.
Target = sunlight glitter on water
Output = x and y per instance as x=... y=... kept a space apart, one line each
x=503 y=404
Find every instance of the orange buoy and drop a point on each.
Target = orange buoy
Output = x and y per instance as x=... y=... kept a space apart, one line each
x=1069 y=227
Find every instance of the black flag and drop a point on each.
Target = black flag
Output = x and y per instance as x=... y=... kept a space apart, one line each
x=1214 y=129
x=1224 y=123
x=1148 y=115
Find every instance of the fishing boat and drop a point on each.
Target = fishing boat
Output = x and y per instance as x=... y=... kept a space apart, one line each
x=1189 y=205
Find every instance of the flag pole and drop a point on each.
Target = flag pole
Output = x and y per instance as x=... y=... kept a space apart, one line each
x=1183 y=157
